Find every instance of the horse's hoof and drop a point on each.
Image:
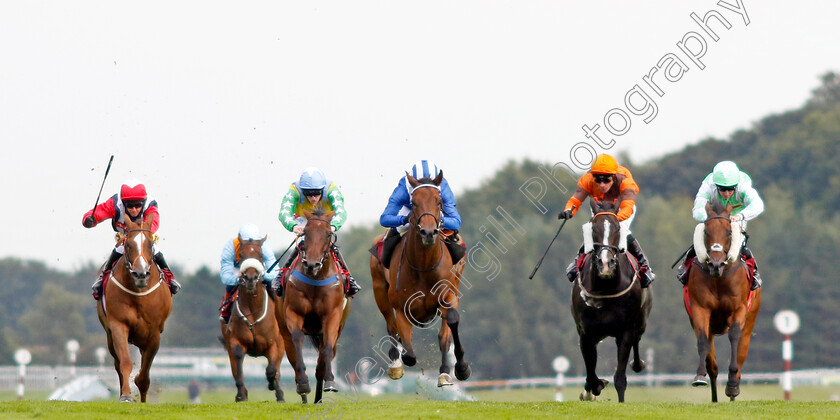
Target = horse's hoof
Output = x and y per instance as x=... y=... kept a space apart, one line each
x=329 y=386
x=126 y=398
x=303 y=398
x=733 y=391
x=640 y=367
x=462 y=371
x=271 y=386
x=396 y=372
x=444 y=380
x=409 y=360
x=587 y=396
x=240 y=398
x=700 y=380
x=303 y=388
x=602 y=383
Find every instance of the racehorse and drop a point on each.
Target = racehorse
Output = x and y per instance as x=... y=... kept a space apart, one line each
x=253 y=328
x=135 y=307
x=609 y=301
x=718 y=299
x=314 y=304
x=421 y=284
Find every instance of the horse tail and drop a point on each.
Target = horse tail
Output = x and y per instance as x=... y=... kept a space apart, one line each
x=316 y=340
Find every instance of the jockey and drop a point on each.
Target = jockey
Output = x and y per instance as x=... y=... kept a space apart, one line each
x=608 y=182
x=307 y=194
x=731 y=186
x=133 y=202
x=230 y=262
x=396 y=213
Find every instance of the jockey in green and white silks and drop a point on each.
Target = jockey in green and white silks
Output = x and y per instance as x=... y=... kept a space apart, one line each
x=307 y=194
x=730 y=185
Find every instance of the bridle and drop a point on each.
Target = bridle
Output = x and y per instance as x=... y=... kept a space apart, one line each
x=331 y=241
x=716 y=247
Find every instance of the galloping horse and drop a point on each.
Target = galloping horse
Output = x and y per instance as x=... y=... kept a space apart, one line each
x=253 y=326
x=718 y=299
x=135 y=307
x=609 y=301
x=421 y=284
x=314 y=305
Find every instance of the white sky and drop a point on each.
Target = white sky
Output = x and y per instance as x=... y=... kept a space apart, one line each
x=218 y=106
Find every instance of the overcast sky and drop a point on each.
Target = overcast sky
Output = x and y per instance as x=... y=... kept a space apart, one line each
x=218 y=106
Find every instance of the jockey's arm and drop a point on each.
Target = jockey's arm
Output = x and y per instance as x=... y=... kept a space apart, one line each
x=753 y=204
x=576 y=200
x=451 y=217
x=227 y=272
x=390 y=216
x=287 y=208
x=336 y=199
x=627 y=196
x=268 y=260
x=103 y=211
x=704 y=194
x=153 y=210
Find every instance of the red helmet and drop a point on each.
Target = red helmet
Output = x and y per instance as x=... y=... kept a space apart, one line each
x=133 y=191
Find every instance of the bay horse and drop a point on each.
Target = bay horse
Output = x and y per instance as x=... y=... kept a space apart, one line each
x=609 y=301
x=314 y=304
x=135 y=307
x=718 y=299
x=420 y=285
x=253 y=328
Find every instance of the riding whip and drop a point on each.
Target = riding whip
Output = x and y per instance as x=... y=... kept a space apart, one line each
x=103 y=182
x=680 y=258
x=281 y=255
x=539 y=263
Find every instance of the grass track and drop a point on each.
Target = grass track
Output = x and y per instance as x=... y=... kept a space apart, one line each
x=421 y=410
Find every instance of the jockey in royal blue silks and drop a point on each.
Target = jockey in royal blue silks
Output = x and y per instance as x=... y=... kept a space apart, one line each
x=395 y=216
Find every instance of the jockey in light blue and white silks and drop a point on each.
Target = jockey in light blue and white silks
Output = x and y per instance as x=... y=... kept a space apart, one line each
x=396 y=212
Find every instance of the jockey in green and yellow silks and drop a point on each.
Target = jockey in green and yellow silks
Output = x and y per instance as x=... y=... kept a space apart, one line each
x=307 y=194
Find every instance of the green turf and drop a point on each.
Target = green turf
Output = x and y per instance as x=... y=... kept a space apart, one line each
x=755 y=402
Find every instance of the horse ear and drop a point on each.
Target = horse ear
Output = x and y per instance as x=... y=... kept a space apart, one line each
x=329 y=215
x=709 y=208
x=438 y=178
x=307 y=214
x=262 y=240
x=411 y=180
x=147 y=222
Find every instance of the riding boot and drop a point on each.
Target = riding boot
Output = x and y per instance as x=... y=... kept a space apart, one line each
x=352 y=287
x=174 y=286
x=636 y=250
x=293 y=255
x=682 y=271
x=572 y=269
x=227 y=303
x=97 y=285
x=748 y=258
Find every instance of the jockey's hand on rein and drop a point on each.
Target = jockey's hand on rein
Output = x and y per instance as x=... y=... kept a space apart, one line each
x=565 y=215
x=89 y=222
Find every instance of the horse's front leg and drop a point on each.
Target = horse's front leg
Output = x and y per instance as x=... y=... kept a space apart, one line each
x=122 y=358
x=594 y=385
x=700 y=320
x=624 y=343
x=147 y=356
x=236 y=354
x=712 y=367
x=462 y=368
x=733 y=385
x=404 y=328
x=327 y=352
x=272 y=371
x=294 y=323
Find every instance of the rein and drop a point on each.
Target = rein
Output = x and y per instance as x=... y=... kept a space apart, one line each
x=131 y=292
x=244 y=317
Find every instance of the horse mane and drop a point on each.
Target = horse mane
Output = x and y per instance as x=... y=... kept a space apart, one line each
x=606 y=207
x=319 y=210
x=717 y=205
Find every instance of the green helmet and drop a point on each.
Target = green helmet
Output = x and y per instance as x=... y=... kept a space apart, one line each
x=726 y=174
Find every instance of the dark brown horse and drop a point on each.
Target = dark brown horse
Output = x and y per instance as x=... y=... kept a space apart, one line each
x=253 y=328
x=421 y=284
x=134 y=308
x=718 y=297
x=609 y=301
x=314 y=304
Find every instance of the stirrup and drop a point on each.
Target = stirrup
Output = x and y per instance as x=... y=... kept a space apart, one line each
x=572 y=271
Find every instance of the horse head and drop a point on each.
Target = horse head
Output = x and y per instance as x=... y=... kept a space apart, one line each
x=318 y=237
x=426 y=216
x=718 y=236
x=138 y=256
x=605 y=238
x=251 y=268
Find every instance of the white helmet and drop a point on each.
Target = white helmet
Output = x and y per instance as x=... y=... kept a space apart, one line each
x=249 y=232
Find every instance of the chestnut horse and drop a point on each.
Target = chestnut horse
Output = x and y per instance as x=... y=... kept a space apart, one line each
x=421 y=284
x=314 y=304
x=134 y=308
x=718 y=297
x=609 y=301
x=253 y=326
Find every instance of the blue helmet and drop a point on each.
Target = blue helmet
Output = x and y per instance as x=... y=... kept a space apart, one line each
x=249 y=232
x=312 y=179
x=424 y=169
